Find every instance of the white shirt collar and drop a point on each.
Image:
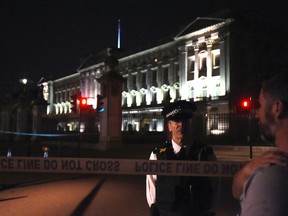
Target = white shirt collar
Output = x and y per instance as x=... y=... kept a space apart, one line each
x=176 y=147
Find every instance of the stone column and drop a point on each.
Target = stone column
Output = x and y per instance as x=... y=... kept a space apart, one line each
x=196 y=70
x=196 y=63
x=209 y=59
x=22 y=118
x=38 y=110
x=210 y=88
x=111 y=118
x=51 y=99
x=183 y=72
x=224 y=63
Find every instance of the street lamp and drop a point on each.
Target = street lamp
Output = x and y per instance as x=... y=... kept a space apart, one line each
x=23 y=81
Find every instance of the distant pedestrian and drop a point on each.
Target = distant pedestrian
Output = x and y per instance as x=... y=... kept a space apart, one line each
x=180 y=195
x=262 y=185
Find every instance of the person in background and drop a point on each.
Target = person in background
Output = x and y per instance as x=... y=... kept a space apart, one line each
x=261 y=185
x=180 y=195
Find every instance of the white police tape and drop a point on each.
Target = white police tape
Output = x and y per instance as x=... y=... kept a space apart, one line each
x=119 y=166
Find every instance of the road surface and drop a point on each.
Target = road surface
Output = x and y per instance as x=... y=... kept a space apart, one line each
x=88 y=195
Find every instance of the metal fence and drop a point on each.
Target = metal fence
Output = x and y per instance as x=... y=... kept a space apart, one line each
x=228 y=129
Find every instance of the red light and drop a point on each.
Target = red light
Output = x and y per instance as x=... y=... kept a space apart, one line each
x=245 y=104
x=83 y=101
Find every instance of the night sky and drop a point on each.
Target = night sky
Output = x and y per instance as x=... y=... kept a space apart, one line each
x=49 y=38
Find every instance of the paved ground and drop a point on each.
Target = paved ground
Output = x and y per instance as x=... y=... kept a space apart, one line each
x=78 y=195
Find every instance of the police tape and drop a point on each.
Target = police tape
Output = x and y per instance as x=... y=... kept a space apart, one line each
x=120 y=166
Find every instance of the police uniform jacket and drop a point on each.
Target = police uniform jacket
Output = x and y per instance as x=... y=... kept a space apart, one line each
x=184 y=194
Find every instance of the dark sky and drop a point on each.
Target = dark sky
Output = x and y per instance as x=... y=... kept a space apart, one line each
x=50 y=37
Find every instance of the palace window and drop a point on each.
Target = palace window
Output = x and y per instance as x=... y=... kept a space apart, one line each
x=177 y=72
x=134 y=81
x=192 y=94
x=216 y=62
x=165 y=75
x=154 y=77
x=191 y=68
x=203 y=63
x=143 y=85
x=125 y=84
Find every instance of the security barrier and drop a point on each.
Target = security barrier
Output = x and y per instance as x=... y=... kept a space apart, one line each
x=119 y=166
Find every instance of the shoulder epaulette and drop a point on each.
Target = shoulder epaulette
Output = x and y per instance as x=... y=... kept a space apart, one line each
x=163 y=148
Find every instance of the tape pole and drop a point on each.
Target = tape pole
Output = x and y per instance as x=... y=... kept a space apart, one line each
x=120 y=166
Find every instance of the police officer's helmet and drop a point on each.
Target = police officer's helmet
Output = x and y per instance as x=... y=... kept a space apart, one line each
x=179 y=110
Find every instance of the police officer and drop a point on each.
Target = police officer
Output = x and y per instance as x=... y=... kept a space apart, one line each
x=180 y=195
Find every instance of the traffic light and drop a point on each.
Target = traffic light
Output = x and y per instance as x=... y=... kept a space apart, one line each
x=100 y=103
x=83 y=103
x=246 y=104
x=73 y=102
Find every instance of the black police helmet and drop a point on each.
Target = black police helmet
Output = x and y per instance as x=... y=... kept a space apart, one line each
x=179 y=110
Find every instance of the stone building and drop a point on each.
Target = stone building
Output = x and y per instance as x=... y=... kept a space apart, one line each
x=215 y=61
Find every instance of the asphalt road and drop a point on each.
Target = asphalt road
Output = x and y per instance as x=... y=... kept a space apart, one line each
x=89 y=195
x=53 y=194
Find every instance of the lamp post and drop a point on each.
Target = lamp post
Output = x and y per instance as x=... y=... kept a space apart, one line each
x=24 y=81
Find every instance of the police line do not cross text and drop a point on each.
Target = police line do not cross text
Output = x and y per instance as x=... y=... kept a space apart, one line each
x=119 y=166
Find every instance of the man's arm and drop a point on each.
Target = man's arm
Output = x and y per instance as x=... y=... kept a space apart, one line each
x=266 y=192
x=264 y=160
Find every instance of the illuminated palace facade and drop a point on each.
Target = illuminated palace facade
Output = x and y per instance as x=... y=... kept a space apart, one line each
x=212 y=62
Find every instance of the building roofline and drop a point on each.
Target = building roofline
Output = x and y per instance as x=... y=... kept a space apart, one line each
x=67 y=77
x=223 y=22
